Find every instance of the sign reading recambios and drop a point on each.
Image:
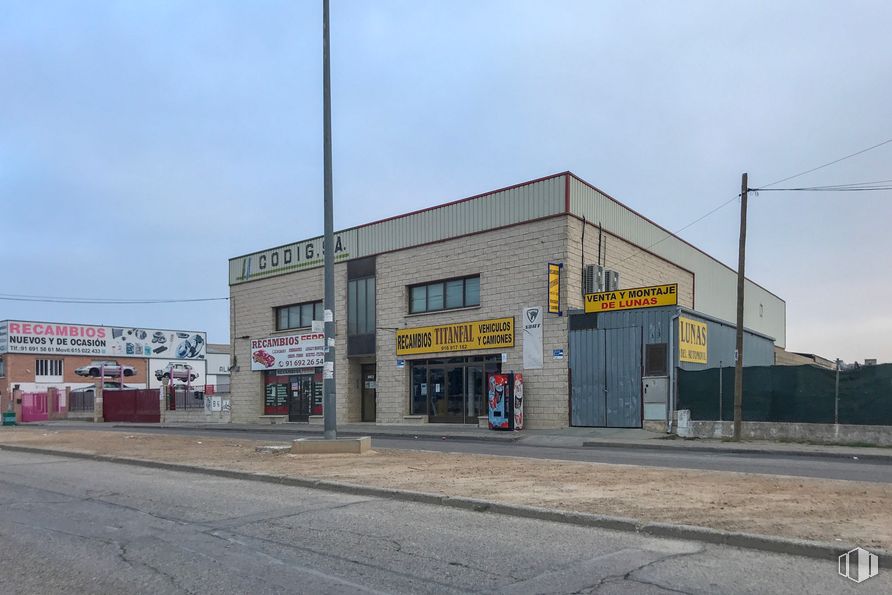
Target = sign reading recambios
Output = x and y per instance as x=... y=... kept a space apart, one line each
x=288 y=351
x=17 y=336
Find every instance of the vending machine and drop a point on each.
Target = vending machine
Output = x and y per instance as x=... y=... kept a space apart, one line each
x=504 y=394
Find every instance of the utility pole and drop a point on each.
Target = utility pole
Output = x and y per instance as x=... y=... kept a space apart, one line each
x=328 y=378
x=738 y=369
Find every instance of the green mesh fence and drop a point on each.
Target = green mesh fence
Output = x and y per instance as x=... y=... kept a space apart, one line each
x=804 y=394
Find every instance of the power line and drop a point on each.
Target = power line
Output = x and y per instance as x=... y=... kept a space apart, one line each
x=825 y=189
x=829 y=163
x=101 y=301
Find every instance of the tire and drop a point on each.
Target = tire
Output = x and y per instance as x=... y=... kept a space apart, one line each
x=128 y=372
x=94 y=372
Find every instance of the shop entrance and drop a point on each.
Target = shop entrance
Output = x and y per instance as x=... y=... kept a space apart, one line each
x=369 y=391
x=301 y=397
x=296 y=393
x=452 y=390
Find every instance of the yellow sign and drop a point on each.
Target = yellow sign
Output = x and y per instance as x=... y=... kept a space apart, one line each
x=691 y=341
x=496 y=333
x=554 y=288
x=628 y=299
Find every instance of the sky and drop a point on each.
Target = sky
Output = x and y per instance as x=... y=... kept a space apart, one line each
x=142 y=144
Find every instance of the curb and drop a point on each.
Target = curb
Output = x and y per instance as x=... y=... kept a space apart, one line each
x=348 y=433
x=780 y=545
x=743 y=451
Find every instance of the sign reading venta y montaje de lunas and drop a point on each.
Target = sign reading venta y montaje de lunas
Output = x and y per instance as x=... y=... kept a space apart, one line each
x=629 y=299
x=692 y=341
x=495 y=333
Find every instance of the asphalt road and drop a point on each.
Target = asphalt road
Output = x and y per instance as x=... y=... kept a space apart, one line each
x=78 y=526
x=772 y=464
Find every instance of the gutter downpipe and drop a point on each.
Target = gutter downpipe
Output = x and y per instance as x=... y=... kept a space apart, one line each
x=670 y=406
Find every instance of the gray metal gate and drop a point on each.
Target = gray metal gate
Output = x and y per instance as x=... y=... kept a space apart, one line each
x=605 y=369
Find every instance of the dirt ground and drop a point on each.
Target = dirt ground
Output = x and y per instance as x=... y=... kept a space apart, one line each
x=824 y=510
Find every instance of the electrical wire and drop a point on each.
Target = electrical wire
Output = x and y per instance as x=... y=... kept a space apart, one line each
x=101 y=301
x=829 y=163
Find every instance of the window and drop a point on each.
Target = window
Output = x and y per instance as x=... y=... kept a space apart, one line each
x=2 y=367
x=298 y=315
x=49 y=367
x=361 y=306
x=655 y=360
x=445 y=295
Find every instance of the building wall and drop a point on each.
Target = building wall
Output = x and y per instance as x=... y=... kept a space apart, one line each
x=21 y=368
x=637 y=268
x=764 y=312
x=253 y=317
x=512 y=263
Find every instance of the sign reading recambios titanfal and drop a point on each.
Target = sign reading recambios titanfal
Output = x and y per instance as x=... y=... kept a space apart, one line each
x=306 y=350
x=52 y=338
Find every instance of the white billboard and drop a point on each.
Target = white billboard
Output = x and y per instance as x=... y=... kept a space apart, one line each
x=83 y=339
x=306 y=350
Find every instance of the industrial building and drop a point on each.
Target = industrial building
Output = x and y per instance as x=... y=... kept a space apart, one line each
x=593 y=303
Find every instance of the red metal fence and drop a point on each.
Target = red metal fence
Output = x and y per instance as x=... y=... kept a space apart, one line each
x=35 y=407
x=136 y=405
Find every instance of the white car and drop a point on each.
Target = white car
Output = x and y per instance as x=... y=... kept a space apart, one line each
x=107 y=368
x=183 y=372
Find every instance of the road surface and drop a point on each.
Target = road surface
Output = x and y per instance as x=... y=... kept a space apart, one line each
x=772 y=464
x=78 y=526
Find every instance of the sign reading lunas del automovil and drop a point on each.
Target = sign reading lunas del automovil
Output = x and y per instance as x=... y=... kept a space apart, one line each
x=495 y=333
x=629 y=299
x=692 y=341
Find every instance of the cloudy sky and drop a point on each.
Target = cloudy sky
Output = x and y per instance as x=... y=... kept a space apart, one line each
x=142 y=144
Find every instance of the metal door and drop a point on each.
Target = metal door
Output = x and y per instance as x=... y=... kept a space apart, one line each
x=623 y=377
x=369 y=390
x=588 y=378
x=34 y=407
x=605 y=370
x=300 y=397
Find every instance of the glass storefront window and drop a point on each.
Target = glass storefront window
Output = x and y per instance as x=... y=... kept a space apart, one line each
x=451 y=389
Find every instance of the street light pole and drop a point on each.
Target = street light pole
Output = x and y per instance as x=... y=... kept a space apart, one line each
x=328 y=378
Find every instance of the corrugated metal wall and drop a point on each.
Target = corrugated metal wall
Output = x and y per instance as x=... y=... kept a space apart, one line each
x=757 y=350
x=722 y=342
x=499 y=209
x=716 y=284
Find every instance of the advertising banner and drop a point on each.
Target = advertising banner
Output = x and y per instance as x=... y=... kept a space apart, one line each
x=495 y=333
x=306 y=350
x=630 y=299
x=532 y=338
x=99 y=341
x=692 y=341
x=554 y=288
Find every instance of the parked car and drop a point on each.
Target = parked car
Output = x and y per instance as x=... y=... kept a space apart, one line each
x=183 y=372
x=109 y=368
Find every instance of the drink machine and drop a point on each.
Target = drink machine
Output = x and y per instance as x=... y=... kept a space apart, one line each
x=504 y=394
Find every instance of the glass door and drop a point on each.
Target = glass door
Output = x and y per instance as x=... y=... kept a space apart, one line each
x=476 y=405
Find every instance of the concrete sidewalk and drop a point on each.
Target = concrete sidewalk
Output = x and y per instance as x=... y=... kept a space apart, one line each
x=625 y=438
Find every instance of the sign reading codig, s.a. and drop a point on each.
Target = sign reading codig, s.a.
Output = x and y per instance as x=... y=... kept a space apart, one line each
x=692 y=341
x=629 y=299
x=480 y=334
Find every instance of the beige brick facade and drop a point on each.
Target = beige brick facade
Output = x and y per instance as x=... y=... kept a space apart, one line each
x=511 y=262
